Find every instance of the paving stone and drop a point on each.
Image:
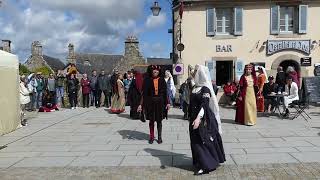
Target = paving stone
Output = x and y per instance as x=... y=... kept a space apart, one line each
x=265 y=158
x=45 y=162
x=308 y=149
x=19 y=154
x=63 y=154
x=270 y=150
x=93 y=148
x=307 y=156
x=113 y=153
x=181 y=146
x=147 y=161
x=51 y=148
x=6 y=162
x=142 y=147
x=290 y=144
x=97 y=161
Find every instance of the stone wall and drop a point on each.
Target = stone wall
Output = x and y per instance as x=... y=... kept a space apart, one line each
x=132 y=55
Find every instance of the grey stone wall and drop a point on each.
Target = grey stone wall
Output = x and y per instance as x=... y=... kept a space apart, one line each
x=132 y=55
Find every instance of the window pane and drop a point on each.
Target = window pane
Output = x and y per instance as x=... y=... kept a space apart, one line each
x=282 y=22
x=282 y=28
x=219 y=23
x=228 y=30
x=219 y=29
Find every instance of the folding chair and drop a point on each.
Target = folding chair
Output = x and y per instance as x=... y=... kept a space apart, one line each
x=300 y=107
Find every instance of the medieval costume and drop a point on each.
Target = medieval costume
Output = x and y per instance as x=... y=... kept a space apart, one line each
x=118 y=100
x=246 y=104
x=134 y=95
x=171 y=89
x=205 y=125
x=261 y=80
x=48 y=103
x=155 y=101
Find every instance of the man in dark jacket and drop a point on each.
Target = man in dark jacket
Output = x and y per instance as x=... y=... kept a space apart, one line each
x=60 y=82
x=94 y=88
x=281 y=79
x=103 y=87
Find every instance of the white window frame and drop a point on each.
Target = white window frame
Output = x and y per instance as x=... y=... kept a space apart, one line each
x=224 y=22
x=286 y=31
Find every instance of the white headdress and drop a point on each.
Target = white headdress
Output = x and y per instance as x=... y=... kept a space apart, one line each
x=202 y=78
x=264 y=72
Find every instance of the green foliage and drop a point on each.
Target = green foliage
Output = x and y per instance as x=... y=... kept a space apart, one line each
x=44 y=70
x=23 y=70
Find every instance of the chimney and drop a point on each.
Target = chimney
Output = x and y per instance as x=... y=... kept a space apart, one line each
x=36 y=48
x=71 y=54
x=6 y=45
x=131 y=46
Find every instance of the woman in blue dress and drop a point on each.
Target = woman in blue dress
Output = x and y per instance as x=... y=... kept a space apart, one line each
x=205 y=125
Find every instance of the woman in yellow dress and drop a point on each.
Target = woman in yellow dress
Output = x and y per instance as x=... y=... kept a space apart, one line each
x=246 y=104
x=118 y=100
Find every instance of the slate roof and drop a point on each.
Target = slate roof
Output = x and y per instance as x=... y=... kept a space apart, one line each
x=88 y=62
x=159 y=61
x=54 y=63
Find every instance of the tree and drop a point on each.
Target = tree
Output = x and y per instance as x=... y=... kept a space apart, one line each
x=23 y=70
x=44 y=70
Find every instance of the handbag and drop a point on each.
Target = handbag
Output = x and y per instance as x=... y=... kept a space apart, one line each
x=142 y=117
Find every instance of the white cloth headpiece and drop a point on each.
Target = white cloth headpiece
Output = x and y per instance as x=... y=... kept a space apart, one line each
x=202 y=78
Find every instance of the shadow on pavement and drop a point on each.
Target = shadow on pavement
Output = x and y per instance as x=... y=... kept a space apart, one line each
x=228 y=121
x=175 y=116
x=133 y=135
x=127 y=116
x=315 y=113
x=180 y=161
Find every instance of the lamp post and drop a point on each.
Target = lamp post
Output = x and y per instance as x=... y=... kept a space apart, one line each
x=156 y=9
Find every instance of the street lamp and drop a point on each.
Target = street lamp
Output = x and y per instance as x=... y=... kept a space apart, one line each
x=155 y=9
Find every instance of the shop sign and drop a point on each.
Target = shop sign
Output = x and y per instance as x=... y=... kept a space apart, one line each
x=275 y=46
x=305 y=61
x=223 y=48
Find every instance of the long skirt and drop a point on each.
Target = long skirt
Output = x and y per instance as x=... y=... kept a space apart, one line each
x=118 y=104
x=154 y=108
x=206 y=156
x=250 y=107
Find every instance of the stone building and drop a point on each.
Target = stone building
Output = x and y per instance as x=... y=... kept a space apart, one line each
x=86 y=62
x=38 y=60
x=6 y=46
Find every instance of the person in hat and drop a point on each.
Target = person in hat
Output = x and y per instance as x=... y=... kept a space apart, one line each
x=268 y=89
x=154 y=100
x=134 y=94
x=246 y=112
x=261 y=80
x=291 y=92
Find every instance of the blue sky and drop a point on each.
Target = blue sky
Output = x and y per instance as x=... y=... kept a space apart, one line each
x=99 y=26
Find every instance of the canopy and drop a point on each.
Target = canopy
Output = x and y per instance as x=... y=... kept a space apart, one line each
x=9 y=93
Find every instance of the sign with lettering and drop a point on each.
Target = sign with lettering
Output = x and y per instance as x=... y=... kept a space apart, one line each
x=223 y=48
x=275 y=46
x=305 y=61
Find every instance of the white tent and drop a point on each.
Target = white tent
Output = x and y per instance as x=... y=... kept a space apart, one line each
x=9 y=93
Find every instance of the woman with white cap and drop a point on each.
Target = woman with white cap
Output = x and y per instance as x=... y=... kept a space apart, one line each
x=205 y=125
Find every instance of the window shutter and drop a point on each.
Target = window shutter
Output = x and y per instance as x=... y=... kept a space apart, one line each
x=212 y=69
x=239 y=67
x=211 y=30
x=238 y=21
x=274 y=17
x=303 y=15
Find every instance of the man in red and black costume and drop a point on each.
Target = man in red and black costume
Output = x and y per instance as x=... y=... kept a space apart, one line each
x=154 y=101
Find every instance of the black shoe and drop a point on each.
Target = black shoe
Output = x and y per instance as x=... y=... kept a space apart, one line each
x=151 y=141
x=200 y=172
x=160 y=140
